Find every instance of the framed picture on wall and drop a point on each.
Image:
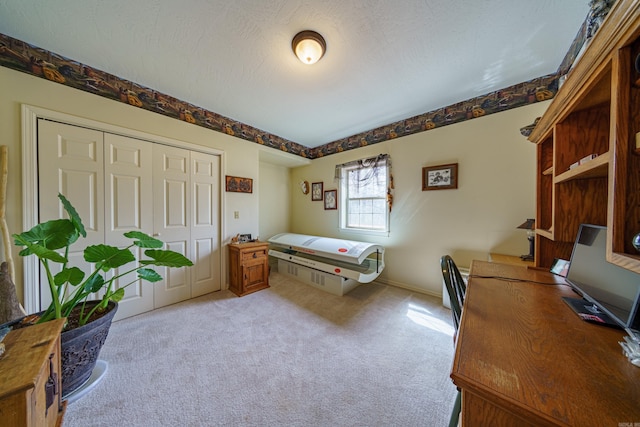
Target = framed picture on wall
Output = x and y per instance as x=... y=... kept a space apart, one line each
x=331 y=199
x=441 y=177
x=236 y=184
x=316 y=191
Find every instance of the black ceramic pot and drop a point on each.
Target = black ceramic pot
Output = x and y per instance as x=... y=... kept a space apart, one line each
x=81 y=347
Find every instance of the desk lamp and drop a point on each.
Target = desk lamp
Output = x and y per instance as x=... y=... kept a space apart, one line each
x=529 y=225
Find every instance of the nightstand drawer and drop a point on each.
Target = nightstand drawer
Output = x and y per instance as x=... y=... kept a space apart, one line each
x=249 y=255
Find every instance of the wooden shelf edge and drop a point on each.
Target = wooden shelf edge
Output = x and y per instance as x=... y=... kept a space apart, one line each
x=548 y=171
x=596 y=168
x=628 y=261
x=545 y=233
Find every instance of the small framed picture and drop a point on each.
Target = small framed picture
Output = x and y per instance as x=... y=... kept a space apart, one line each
x=331 y=199
x=441 y=177
x=244 y=238
x=560 y=267
x=316 y=191
x=236 y=184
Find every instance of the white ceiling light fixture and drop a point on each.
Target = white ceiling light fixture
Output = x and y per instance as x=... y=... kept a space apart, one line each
x=308 y=46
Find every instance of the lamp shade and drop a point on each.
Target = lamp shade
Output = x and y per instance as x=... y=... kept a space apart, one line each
x=529 y=224
x=308 y=46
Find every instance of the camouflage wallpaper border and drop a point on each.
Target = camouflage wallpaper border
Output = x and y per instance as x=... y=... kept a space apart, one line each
x=519 y=95
x=21 y=56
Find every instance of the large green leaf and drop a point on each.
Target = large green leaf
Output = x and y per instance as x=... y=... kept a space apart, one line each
x=72 y=275
x=94 y=284
x=117 y=295
x=143 y=240
x=166 y=259
x=109 y=256
x=37 y=250
x=73 y=215
x=149 y=275
x=54 y=234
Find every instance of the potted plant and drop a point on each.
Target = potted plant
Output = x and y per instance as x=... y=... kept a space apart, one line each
x=73 y=290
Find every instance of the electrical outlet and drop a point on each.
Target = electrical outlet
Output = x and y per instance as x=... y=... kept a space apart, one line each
x=236 y=214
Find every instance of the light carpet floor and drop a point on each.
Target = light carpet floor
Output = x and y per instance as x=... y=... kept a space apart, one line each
x=290 y=355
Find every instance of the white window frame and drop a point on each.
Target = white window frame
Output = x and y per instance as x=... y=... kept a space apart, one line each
x=342 y=174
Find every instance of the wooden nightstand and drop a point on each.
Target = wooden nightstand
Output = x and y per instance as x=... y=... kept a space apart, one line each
x=248 y=267
x=31 y=386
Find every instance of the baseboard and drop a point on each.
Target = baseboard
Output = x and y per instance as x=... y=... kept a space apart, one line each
x=407 y=287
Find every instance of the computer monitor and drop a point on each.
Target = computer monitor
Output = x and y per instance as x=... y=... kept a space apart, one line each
x=610 y=293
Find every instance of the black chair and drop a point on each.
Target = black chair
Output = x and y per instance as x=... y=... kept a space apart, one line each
x=456 y=288
x=455 y=412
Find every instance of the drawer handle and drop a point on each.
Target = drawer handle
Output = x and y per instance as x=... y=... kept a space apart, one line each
x=51 y=386
x=255 y=255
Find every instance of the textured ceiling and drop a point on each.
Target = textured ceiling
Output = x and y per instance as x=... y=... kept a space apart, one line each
x=385 y=60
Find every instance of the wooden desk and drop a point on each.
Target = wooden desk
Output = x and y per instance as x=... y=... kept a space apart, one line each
x=523 y=358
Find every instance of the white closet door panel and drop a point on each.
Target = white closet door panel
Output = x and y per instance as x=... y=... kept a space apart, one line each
x=172 y=202
x=129 y=207
x=205 y=232
x=70 y=162
x=176 y=283
x=175 y=209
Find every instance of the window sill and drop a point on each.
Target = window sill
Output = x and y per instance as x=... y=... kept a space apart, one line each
x=382 y=233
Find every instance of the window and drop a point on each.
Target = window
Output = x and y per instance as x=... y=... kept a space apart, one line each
x=365 y=194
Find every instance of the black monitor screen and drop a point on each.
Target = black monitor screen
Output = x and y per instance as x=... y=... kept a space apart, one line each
x=613 y=288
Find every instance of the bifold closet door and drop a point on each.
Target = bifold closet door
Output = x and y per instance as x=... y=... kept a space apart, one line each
x=108 y=179
x=187 y=218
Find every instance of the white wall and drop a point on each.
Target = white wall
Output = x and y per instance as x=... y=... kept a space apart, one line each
x=496 y=193
x=275 y=200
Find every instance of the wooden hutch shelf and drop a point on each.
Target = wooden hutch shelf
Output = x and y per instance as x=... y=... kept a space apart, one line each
x=596 y=168
x=596 y=111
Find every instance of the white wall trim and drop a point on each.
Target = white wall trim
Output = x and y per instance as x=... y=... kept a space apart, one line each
x=407 y=287
x=31 y=278
x=30 y=116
